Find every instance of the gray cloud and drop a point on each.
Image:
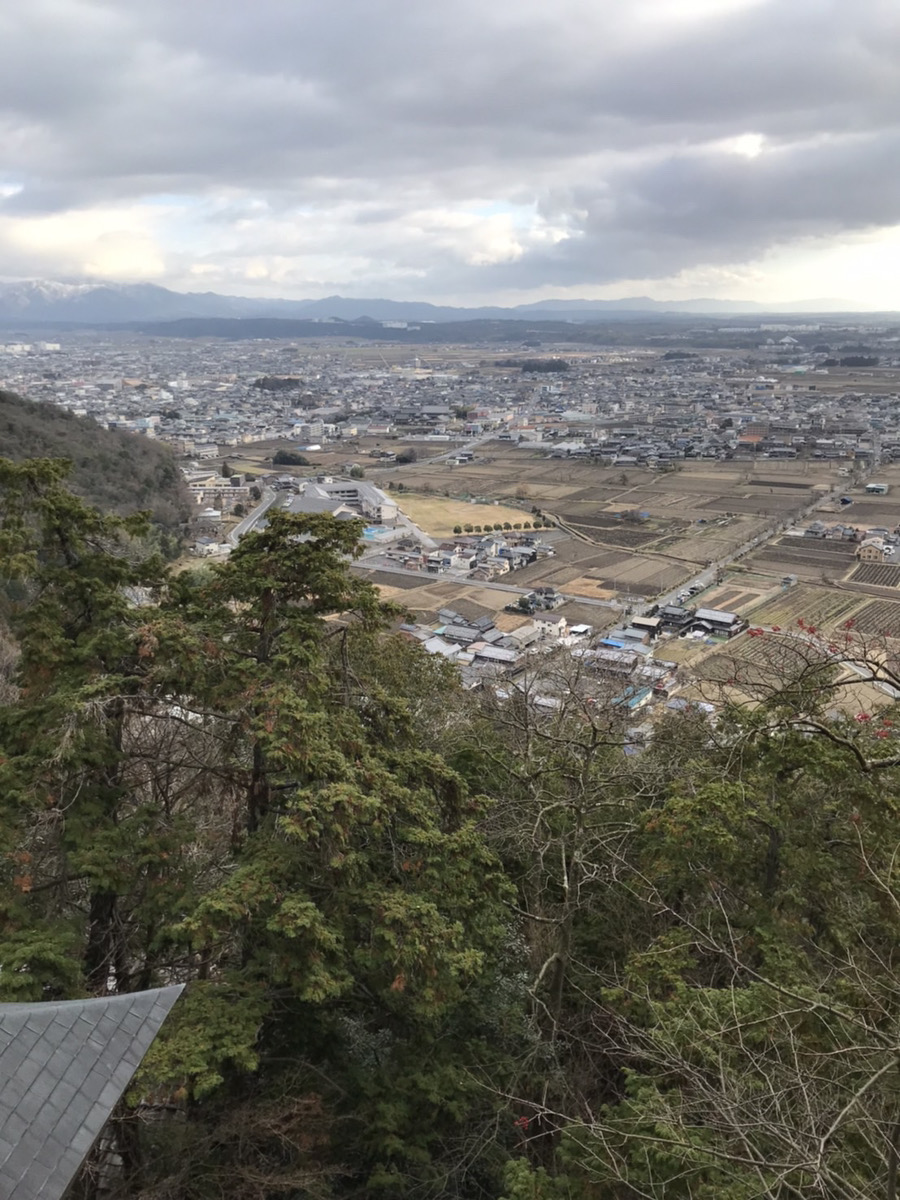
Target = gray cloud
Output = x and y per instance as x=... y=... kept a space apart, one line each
x=402 y=131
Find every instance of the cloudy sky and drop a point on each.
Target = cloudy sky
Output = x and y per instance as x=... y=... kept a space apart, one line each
x=467 y=151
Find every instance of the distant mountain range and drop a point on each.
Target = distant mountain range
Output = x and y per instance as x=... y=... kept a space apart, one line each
x=35 y=302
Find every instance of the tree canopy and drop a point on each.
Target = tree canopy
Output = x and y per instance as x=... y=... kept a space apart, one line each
x=436 y=943
x=118 y=471
x=290 y=458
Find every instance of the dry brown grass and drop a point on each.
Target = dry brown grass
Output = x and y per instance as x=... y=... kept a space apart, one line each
x=437 y=515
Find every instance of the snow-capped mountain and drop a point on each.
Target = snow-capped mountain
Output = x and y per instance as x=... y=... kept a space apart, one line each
x=41 y=300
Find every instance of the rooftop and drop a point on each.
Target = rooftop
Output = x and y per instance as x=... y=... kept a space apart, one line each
x=64 y=1067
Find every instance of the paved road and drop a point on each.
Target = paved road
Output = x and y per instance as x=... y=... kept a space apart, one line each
x=268 y=499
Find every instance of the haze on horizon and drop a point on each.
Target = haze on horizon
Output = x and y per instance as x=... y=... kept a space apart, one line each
x=456 y=152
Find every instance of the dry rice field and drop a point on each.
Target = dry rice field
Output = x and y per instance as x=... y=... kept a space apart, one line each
x=736 y=599
x=810 y=558
x=579 y=488
x=593 y=588
x=601 y=571
x=424 y=597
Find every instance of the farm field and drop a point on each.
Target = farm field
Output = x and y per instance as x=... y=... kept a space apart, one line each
x=437 y=515
x=423 y=596
x=857 y=696
x=877 y=574
x=732 y=597
x=710 y=543
x=683 y=651
x=698 y=519
x=809 y=558
x=629 y=534
x=879 y=617
x=749 y=670
x=825 y=608
x=839 y=380
x=583 y=585
x=599 y=572
x=576 y=488
x=866 y=511
x=635 y=509
x=249 y=466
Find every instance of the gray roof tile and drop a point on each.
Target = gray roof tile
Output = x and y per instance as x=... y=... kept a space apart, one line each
x=63 y=1067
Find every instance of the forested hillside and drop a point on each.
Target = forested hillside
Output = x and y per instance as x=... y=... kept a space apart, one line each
x=435 y=944
x=120 y=472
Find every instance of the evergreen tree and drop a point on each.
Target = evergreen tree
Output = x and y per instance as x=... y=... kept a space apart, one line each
x=225 y=778
x=84 y=829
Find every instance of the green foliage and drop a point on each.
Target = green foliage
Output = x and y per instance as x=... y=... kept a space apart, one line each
x=692 y=923
x=535 y=366
x=278 y=383
x=436 y=944
x=232 y=786
x=212 y=1033
x=290 y=458
x=522 y=1182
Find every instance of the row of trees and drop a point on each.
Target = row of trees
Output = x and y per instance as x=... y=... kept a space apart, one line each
x=437 y=944
x=536 y=523
x=535 y=366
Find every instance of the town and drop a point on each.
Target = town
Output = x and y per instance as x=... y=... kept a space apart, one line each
x=641 y=507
